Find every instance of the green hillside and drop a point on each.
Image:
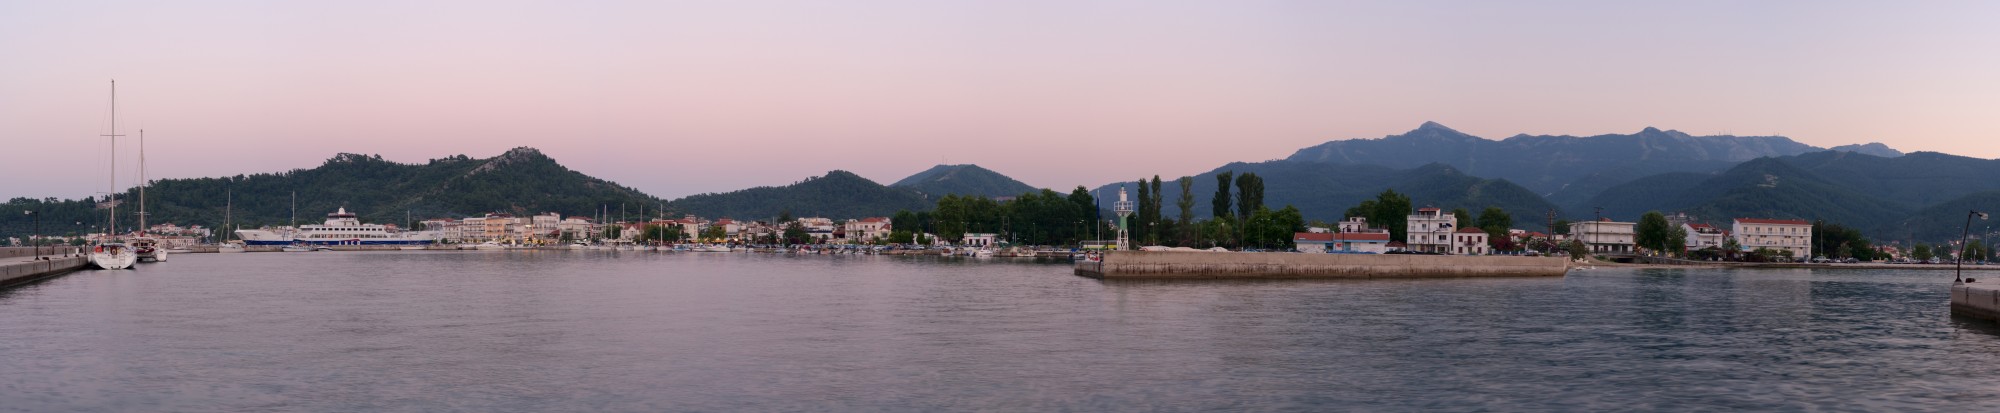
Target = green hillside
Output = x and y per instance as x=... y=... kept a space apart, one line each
x=965 y=179
x=520 y=181
x=838 y=195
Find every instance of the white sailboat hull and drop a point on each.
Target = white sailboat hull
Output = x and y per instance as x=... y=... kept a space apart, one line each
x=113 y=257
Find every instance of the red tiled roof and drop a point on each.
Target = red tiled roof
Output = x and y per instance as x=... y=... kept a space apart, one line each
x=1773 y=221
x=874 y=219
x=1427 y=209
x=1470 y=231
x=1699 y=226
x=1362 y=236
x=1312 y=236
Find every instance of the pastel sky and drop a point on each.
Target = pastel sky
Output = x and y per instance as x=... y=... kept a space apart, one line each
x=677 y=98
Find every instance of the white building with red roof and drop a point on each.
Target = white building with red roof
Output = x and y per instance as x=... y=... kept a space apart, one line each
x=1793 y=235
x=867 y=229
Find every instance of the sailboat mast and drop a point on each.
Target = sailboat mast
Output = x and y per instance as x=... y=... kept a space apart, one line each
x=228 y=213
x=142 y=182
x=111 y=225
x=295 y=208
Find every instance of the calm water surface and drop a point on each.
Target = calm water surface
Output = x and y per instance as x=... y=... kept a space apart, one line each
x=595 y=331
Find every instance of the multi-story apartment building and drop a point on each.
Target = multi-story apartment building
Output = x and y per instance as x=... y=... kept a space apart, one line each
x=1603 y=235
x=1430 y=230
x=1778 y=234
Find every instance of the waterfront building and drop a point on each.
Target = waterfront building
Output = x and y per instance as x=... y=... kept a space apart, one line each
x=1470 y=241
x=1778 y=234
x=1430 y=229
x=1703 y=236
x=577 y=228
x=472 y=229
x=866 y=229
x=1312 y=242
x=980 y=239
x=1603 y=235
x=1347 y=242
x=1359 y=224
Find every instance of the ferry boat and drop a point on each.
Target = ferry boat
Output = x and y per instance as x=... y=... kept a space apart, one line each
x=341 y=228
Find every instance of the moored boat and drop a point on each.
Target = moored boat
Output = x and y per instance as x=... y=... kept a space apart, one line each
x=113 y=256
x=341 y=228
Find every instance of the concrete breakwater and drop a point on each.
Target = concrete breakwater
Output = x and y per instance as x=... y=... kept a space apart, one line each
x=18 y=264
x=1976 y=300
x=1181 y=264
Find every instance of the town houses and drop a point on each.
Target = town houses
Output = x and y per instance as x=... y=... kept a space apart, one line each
x=1436 y=230
x=552 y=228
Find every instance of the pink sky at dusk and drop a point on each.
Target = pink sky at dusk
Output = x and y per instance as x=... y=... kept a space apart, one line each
x=677 y=98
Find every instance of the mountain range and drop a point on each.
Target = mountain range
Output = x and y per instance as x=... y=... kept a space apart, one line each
x=1871 y=186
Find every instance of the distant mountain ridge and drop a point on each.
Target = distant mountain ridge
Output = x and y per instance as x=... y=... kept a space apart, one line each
x=1549 y=164
x=966 y=179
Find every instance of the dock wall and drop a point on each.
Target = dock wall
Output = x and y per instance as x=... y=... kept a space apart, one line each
x=1976 y=300
x=1179 y=264
x=14 y=271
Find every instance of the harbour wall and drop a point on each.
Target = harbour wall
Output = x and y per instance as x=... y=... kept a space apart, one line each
x=1976 y=300
x=1185 y=264
x=17 y=252
x=16 y=271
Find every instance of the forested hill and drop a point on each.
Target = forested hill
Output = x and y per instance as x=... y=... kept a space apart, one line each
x=838 y=195
x=520 y=181
x=965 y=179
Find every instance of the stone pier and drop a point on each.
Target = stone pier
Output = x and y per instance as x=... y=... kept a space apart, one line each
x=18 y=264
x=1195 y=265
x=1976 y=299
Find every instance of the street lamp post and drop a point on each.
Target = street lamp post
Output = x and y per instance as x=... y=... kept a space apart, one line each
x=1963 y=235
x=38 y=231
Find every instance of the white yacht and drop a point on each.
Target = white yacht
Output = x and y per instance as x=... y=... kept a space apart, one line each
x=341 y=228
x=113 y=256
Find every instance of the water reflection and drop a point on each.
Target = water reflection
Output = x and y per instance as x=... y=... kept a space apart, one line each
x=593 y=331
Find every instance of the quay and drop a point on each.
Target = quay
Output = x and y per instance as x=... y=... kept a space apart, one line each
x=1976 y=299
x=1257 y=265
x=18 y=264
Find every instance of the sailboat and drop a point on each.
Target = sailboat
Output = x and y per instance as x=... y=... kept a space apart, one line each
x=147 y=247
x=229 y=223
x=111 y=253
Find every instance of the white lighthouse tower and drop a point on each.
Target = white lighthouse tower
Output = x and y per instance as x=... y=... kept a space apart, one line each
x=1124 y=209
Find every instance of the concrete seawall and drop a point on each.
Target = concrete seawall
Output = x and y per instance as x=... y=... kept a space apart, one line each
x=1177 y=264
x=1976 y=300
x=21 y=270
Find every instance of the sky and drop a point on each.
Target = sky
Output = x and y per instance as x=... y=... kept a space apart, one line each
x=679 y=98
